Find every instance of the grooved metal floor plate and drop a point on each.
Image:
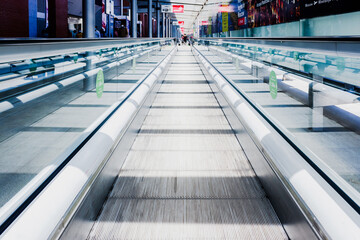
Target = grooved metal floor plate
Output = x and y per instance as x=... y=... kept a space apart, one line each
x=186 y=176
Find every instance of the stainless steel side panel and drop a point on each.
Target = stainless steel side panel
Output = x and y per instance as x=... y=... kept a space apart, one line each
x=83 y=220
x=289 y=213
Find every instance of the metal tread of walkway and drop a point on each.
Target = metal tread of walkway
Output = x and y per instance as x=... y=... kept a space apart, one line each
x=186 y=176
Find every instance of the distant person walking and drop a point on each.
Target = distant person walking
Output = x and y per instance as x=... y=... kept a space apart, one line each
x=184 y=39
x=79 y=34
x=97 y=33
x=123 y=31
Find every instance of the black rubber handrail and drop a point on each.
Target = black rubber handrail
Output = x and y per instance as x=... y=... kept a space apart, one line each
x=8 y=41
x=305 y=39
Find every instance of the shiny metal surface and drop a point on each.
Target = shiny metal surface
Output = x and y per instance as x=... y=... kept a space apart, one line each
x=289 y=213
x=78 y=176
x=186 y=175
x=327 y=212
x=83 y=219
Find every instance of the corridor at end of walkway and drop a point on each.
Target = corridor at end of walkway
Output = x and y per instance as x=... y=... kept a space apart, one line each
x=186 y=176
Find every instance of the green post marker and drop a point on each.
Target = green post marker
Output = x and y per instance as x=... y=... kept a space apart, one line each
x=296 y=56
x=273 y=85
x=99 y=83
x=133 y=64
x=237 y=65
x=33 y=66
x=340 y=64
x=76 y=58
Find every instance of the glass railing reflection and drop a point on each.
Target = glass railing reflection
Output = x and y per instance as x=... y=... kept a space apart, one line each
x=49 y=105
x=337 y=70
x=317 y=103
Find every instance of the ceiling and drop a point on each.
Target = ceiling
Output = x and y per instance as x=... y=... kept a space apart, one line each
x=75 y=7
x=194 y=10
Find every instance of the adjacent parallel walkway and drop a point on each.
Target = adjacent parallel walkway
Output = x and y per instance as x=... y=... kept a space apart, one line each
x=336 y=145
x=34 y=136
x=186 y=176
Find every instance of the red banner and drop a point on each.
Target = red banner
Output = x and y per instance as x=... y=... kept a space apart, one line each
x=103 y=14
x=181 y=23
x=204 y=22
x=178 y=8
x=241 y=21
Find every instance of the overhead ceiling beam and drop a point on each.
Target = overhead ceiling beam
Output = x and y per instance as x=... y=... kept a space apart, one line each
x=181 y=3
x=200 y=11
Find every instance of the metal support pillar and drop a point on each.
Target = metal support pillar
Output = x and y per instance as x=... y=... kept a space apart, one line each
x=89 y=18
x=158 y=19
x=122 y=7
x=166 y=26
x=89 y=83
x=88 y=9
x=134 y=18
x=150 y=18
x=169 y=27
x=163 y=25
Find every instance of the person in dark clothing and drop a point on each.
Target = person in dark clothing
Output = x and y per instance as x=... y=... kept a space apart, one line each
x=191 y=40
x=123 y=31
x=184 y=38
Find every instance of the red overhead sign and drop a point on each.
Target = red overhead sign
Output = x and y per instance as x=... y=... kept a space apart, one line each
x=204 y=22
x=180 y=23
x=178 y=8
x=224 y=8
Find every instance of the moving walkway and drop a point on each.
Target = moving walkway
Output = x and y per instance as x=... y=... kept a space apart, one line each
x=183 y=155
